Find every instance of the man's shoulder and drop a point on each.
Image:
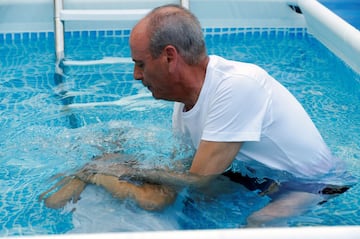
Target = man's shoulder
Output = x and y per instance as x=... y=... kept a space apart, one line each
x=229 y=66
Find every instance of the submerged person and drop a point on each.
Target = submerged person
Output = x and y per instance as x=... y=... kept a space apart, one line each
x=105 y=171
x=231 y=112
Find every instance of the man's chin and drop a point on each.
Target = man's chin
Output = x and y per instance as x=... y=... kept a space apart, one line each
x=154 y=95
x=157 y=97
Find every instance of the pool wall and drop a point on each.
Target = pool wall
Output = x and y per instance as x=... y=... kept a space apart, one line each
x=19 y=16
x=38 y=14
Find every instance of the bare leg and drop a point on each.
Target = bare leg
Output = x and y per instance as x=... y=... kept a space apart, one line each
x=70 y=187
x=290 y=204
x=70 y=190
x=148 y=196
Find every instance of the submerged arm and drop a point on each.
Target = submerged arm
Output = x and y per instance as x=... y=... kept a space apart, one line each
x=155 y=188
x=166 y=177
x=211 y=159
x=139 y=176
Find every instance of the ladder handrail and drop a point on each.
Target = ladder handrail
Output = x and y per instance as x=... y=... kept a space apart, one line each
x=102 y=15
x=185 y=3
x=61 y=15
x=59 y=31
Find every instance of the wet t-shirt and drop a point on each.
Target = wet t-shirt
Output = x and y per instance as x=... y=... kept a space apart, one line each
x=240 y=102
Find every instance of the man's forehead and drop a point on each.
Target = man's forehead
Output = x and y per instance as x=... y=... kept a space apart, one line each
x=139 y=34
x=140 y=28
x=139 y=47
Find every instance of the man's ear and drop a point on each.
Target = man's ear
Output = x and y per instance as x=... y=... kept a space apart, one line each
x=172 y=55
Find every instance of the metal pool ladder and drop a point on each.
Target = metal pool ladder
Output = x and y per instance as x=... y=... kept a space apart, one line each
x=61 y=15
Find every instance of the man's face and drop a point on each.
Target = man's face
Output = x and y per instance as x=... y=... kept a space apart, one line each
x=152 y=72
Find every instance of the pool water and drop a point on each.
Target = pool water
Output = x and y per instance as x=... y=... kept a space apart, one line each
x=54 y=123
x=349 y=10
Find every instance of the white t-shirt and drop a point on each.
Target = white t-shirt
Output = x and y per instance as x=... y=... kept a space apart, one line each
x=240 y=102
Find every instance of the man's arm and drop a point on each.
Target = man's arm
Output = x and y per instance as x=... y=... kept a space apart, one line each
x=157 y=186
x=138 y=176
x=211 y=159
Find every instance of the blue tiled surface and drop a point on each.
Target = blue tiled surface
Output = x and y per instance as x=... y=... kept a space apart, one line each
x=26 y=36
x=349 y=10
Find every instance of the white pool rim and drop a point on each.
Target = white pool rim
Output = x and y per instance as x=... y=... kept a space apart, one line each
x=340 y=37
x=343 y=232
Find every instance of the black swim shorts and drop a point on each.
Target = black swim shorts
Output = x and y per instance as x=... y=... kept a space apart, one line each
x=268 y=186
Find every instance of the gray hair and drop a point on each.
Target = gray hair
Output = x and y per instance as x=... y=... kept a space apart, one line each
x=178 y=27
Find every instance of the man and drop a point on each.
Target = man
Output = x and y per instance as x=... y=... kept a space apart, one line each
x=232 y=112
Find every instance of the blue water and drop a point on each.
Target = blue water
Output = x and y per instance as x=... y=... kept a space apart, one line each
x=53 y=124
x=349 y=10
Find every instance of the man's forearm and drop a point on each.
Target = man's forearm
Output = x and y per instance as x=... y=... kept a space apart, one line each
x=166 y=177
x=139 y=175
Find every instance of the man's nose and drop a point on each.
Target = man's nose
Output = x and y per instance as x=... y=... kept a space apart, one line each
x=138 y=74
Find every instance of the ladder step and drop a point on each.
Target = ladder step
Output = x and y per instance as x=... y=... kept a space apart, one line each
x=105 y=60
x=103 y=15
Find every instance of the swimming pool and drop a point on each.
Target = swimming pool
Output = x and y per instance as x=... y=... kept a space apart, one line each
x=53 y=124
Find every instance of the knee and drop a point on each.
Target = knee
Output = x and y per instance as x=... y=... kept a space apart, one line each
x=70 y=191
x=156 y=197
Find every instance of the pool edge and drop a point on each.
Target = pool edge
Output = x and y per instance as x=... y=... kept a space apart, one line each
x=344 y=232
x=334 y=32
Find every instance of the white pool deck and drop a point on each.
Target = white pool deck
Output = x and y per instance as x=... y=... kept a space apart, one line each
x=336 y=34
x=350 y=232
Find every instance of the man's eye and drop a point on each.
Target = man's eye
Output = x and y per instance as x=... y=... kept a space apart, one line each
x=140 y=65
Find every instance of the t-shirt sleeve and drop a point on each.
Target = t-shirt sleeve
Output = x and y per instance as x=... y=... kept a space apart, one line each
x=237 y=110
